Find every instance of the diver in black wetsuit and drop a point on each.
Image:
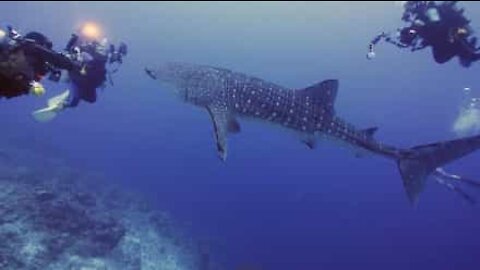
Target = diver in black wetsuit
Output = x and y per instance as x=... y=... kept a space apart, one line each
x=24 y=60
x=441 y=26
x=92 y=56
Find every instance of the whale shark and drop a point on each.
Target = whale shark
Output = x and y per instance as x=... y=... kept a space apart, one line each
x=227 y=96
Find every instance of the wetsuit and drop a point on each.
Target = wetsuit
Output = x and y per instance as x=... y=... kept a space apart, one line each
x=25 y=60
x=84 y=85
x=442 y=27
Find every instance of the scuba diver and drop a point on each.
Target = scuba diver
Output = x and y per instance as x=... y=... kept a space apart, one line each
x=25 y=60
x=441 y=26
x=93 y=56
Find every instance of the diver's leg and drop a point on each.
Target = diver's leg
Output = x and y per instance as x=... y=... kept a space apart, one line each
x=440 y=172
x=475 y=57
x=468 y=54
x=472 y=42
x=442 y=54
x=74 y=98
x=443 y=177
x=89 y=95
x=57 y=104
x=457 y=190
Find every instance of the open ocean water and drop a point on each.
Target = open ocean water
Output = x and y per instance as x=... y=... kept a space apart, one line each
x=274 y=204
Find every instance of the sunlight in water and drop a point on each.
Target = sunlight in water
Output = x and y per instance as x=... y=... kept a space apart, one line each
x=91 y=30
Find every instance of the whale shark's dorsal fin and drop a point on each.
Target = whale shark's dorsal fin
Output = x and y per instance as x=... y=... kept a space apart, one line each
x=322 y=94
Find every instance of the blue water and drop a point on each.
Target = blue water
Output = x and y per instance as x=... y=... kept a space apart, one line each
x=274 y=203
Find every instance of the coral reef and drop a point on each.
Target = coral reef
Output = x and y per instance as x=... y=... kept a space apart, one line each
x=51 y=218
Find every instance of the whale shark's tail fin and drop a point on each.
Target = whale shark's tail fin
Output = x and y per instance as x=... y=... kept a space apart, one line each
x=417 y=163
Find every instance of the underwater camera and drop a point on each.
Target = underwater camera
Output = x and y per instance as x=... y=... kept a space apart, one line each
x=117 y=55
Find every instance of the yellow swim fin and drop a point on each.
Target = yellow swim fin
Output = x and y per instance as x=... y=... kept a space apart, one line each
x=55 y=105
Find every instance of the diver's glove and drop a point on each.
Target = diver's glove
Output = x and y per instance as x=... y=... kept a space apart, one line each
x=37 y=89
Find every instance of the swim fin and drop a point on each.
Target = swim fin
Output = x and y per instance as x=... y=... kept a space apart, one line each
x=55 y=105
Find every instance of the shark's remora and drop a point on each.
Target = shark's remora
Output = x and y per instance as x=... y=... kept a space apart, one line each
x=227 y=95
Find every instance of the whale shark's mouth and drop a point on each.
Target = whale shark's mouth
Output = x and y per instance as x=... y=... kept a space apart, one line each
x=167 y=77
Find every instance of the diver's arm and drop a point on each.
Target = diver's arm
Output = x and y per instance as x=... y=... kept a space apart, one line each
x=56 y=59
x=389 y=38
x=31 y=46
x=371 y=47
x=396 y=43
x=419 y=47
x=378 y=38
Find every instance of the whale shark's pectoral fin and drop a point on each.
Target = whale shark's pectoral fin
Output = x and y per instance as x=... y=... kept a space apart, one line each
x=223 y=123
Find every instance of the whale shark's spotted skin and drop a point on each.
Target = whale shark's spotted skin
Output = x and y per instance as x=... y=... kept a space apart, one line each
x=227 y=95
